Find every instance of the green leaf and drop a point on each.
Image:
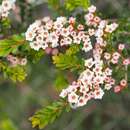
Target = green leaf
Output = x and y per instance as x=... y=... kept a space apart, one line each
x=73 y=50
x=17 y=73
x=7 y=125
x=35 y=56
x=10 y=44
x=54 y=3
x=48 y=114
x=69 y=60
x=73 y=4
x=60 y=82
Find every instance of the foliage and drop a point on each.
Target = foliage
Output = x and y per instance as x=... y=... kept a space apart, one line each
x=35 y=56
x=11 y=44
x=48 y=114
x=15 y=73
x=60 y=82
x=7 y=125
x=73 y=4
x=69 y=60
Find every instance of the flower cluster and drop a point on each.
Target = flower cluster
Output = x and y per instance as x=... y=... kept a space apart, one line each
x=47 y=33
x=5 y=7
x=16 y=61
x=98 y=75
x=96 y=78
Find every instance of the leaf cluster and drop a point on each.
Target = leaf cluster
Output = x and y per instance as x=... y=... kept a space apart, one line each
x=69 y=60
x=48 y=114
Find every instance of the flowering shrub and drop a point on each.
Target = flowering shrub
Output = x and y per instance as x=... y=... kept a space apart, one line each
x=5 y=8
x=88 y=47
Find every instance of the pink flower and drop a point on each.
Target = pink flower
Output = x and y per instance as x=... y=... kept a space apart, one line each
x=123 y=83
x=121 y=47
x=117 y=89
x=116 y=55
x=71 y=20
x=126 y=62
x=97 y=19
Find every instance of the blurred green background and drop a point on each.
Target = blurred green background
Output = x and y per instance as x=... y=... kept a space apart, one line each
x=19 y=101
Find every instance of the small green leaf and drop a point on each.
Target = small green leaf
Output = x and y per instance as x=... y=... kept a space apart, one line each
x=69 y=60
x=10 y=44
x=60 y=82
x=73 y=4
x=17 y=73
x=48 y=114
x=7 y=125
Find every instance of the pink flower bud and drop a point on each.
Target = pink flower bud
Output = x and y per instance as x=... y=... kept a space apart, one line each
x=123 y=83
x=55 y=51
x=117 y=89
x=48 y=50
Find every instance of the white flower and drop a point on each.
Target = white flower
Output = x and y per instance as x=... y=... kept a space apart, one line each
x=82 y=101
x=72 y=88
x=102 y=24
x=92 y=9
x=98 y=80
x=6 y=5
x=89 y=17
x=108 y=86
x=91 y=32
x=30 y=35
x=53 y=38
x=64 y=93
x=46 y=19
x=121 y=46
x=39 y=38
x=73 y=98
x=58 y=25
x=84 y=89
x=44 y=45
x=81 y=34
x=35 y=45
x=65 y=32
x=68 y=40
x=108 y=71
x=110 y=28
x=99 y=33
x=61 y=19
x=98 y=94
x=49 y=25
x=77 y=39
x=87 y=46
x=89 y=63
